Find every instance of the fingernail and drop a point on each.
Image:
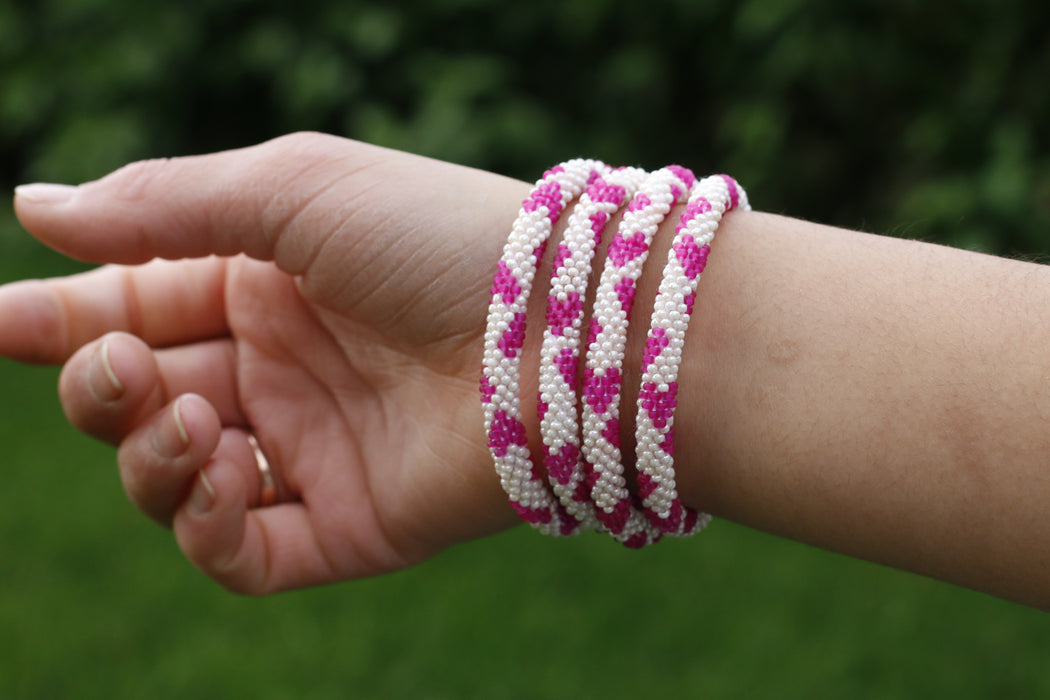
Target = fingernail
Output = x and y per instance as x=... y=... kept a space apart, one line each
x=102 y=380
x=45 y=193
x=170 y=439
x=202 y=497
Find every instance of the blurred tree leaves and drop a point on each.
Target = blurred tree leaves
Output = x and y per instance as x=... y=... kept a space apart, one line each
x=926 y=119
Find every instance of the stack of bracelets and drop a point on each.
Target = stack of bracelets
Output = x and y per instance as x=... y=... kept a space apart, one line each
x=582 y=484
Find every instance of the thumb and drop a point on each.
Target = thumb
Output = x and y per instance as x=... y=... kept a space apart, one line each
x=240 y=201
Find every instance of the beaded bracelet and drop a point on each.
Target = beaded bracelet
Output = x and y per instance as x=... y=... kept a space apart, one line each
x=658 y=396
x=559 y=357
x=524 y=485
x=596 y=497
x=606 y=349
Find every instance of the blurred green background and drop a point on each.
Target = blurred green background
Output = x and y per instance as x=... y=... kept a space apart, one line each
x=922 y=119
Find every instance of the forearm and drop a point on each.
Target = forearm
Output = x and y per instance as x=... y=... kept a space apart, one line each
x=883 y=398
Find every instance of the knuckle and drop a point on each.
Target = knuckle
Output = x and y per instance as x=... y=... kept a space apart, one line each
x=134 y=181
x=302 y=143
x=300 y=166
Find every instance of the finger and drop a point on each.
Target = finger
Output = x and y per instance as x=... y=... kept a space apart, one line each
x=164 y=303
x=113 y=385
x=224 y=203
x=282 y=200
x=250 y=551
x=208 y=369
x=99 y=402
x=160 y=457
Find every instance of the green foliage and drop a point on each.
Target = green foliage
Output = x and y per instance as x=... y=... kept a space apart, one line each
x=924 y=119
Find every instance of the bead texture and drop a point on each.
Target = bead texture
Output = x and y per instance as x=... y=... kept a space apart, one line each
x=559 y=357
x=581 y=483
x=603 y=372
x=709 y=200
x=500 y=388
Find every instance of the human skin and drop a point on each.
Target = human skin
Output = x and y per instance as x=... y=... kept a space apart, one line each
x=883 y=398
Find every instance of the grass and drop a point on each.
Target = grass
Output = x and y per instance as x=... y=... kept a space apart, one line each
x=97 y=602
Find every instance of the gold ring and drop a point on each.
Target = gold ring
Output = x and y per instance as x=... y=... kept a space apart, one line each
x=267 y=487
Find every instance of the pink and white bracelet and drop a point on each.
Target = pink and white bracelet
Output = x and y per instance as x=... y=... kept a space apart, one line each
x=505 y=337
x=559 y=357
x=587 y=488
x=603 y=373
x=658 y=396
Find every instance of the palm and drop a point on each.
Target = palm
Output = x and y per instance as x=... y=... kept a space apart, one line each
x=351 y=421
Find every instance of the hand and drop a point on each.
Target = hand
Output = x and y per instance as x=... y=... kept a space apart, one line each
x=338 y=320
